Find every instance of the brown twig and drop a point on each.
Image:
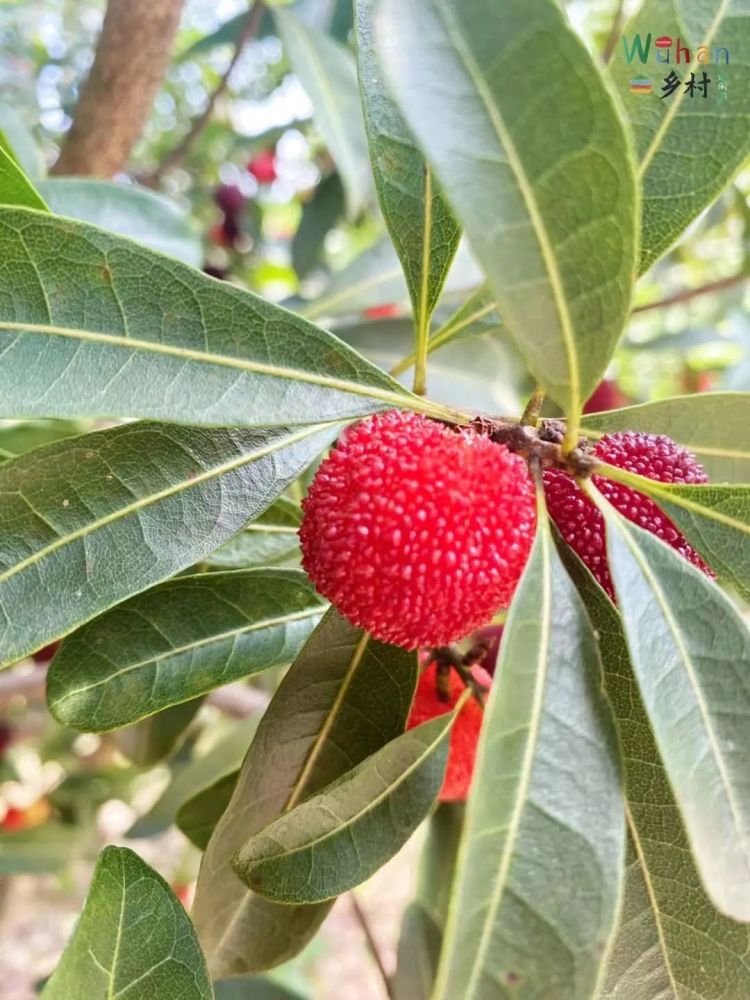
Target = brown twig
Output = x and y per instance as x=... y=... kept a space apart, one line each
x=178 y=152
x=692 y=293
x=132 y=55
x=542 y=444
x=372 y=945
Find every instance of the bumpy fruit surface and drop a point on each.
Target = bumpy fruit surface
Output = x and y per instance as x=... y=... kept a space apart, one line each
x=464 y=735
x=415 y=531
x=582 y=525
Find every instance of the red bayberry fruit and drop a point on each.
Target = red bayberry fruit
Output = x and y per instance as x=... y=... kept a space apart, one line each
x=263 y=167
x=415 y=531
x=582 y=525
x=45 y=654
x=606 y=396
x=464 y=735
x=387 y=311
x=13 y=820
x=229 y=198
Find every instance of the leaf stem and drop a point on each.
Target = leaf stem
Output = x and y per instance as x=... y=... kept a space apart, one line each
x=443 y=334
x=530 y=416
x=422 y=319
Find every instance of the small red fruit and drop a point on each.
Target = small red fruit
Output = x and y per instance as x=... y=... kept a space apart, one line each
x=582 y=525
x=263 y=167
x=45 y=654
x=415 y=531
x=606 y=396
x=387 y=311
x=465 y=733
x=229 y=198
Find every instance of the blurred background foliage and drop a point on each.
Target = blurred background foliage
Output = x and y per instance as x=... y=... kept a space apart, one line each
x=272 y=190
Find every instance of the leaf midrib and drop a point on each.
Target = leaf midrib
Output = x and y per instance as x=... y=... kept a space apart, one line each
x=255 y=626
x=688 y=663
x=182 y=484
x=401 y=398
x=370 y=805
x=675 y=105
x=514 y=160
x=527 y=764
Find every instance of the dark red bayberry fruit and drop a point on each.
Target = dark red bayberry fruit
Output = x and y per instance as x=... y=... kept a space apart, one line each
x=415 y=531
x=263 y=167
x=229 y=198
x=582 y=525
x=465 y=733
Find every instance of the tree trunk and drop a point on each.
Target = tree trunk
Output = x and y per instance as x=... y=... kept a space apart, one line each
x=132 y=55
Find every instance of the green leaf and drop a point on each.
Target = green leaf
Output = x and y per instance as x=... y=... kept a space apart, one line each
x=477 y=315
x=199 y=770
x=337 y=839
x=373 y=278
x=252 y=988
x=715 y=520
x=422 y=227
x=548 y=200
x=713 y=425
x=25 y=436
x=319 y=215
x=637 y=969
x=690 y=651
x=197 y=818
x=162 y=340
x=545 y=799
x=44 y=849
x=92 y=520
x=699 y=954
x=18 y=140
x=269 y=540
x=128 y=210
x=133 y=940
x=15 y=187
x=147 y=742
x=178 y=641
x=327 y=71
x=344 y=698
x=712 y=132
x=424 y=918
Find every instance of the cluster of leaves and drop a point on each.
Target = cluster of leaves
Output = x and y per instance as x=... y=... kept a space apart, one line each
x=605 y=850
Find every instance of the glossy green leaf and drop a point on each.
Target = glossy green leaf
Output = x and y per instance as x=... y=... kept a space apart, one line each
x=671 y=943
x=546 y=799
x=128 y=210
x=690 y=652
x=424 y=918
x=92 y=520
x=713 y=425
x=152 y=739
x=133 y=940
x=199 y=768
x=343 y=698
x=715 y=520
x=15 y=187
x=269 y=540
x=548 y=200
x=327 y=71
x=419 y=220
x=199 y=815
x=337 y=839
x=712 y=133
x=106 y=327
x=178 y=641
